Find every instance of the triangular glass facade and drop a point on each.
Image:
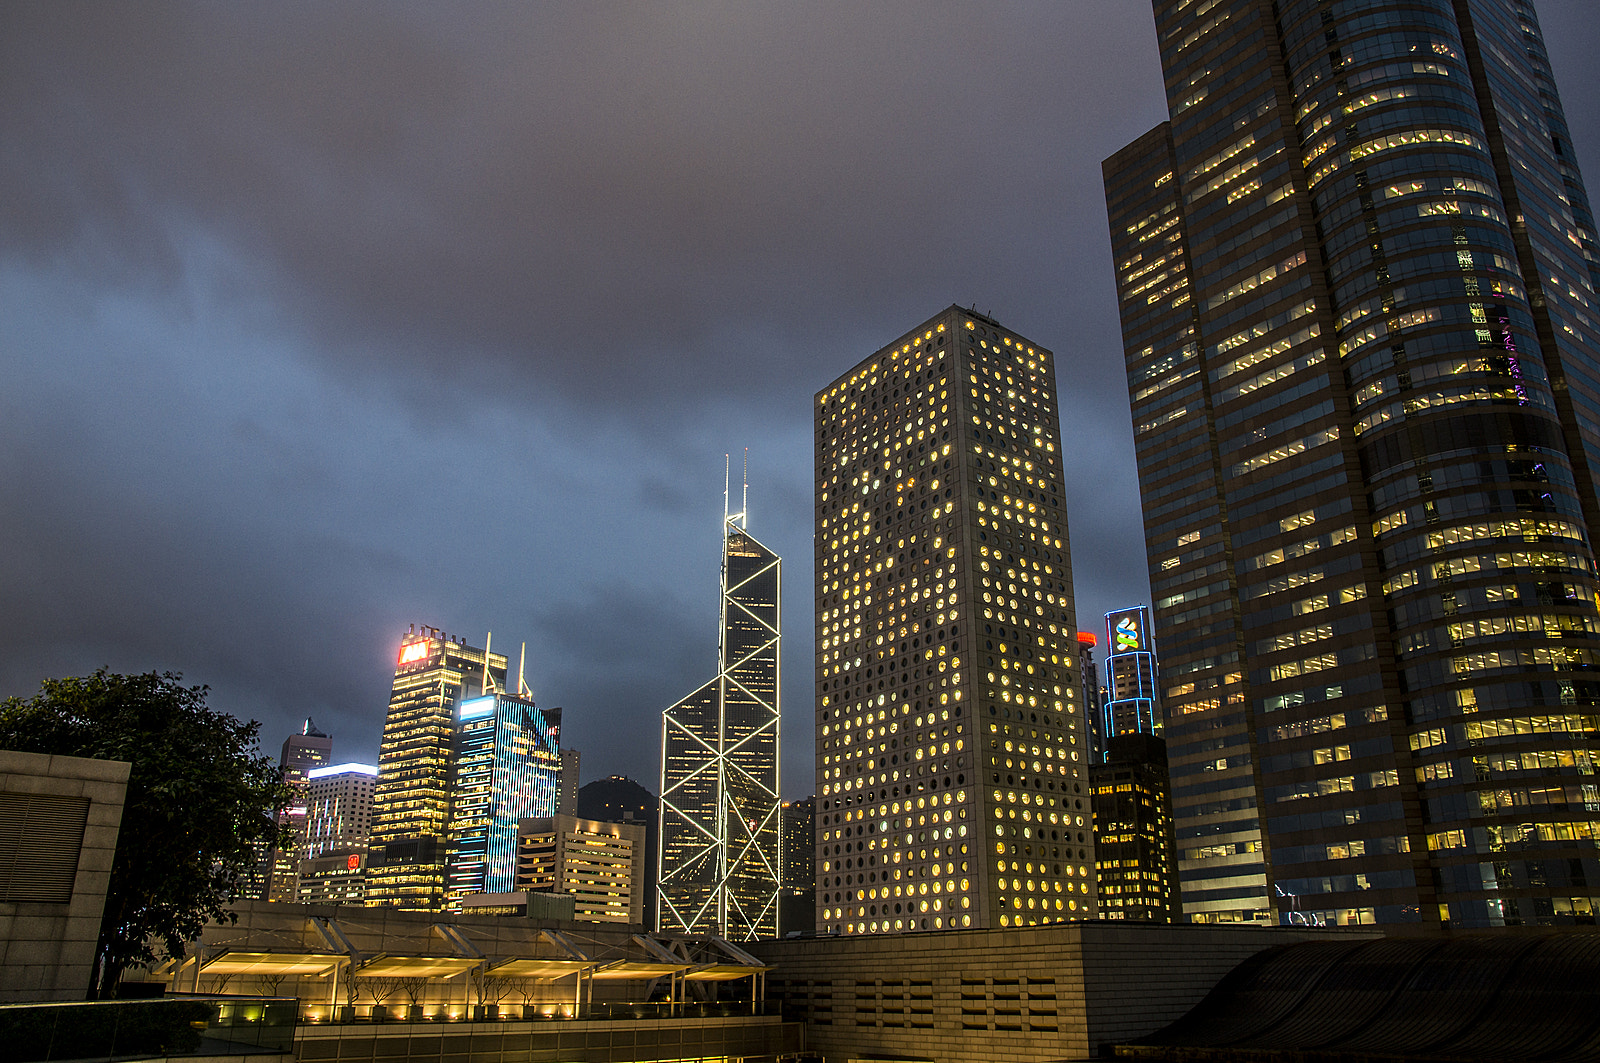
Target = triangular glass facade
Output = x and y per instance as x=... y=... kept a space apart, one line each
x=719 y=767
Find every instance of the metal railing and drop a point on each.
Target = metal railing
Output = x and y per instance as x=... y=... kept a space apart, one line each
x=548 y=1011
x=115 y=1030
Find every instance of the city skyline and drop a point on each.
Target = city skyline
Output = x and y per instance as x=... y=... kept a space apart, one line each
x=266 y=356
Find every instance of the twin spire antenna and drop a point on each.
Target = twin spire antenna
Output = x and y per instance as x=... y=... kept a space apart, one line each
x=744 y=500
x=489 y=687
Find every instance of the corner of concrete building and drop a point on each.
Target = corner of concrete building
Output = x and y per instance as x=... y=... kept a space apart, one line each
x=50 y=923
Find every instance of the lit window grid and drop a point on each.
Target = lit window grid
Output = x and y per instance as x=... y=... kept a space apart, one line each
x=340 y=813
x=848 y=430
x=1442 y=179
x=1134 y=869
x=348 y=887
x=508 y=768
x=599 y=870
x=412 y=795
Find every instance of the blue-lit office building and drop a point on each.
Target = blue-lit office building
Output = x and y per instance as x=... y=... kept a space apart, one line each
x=1130 y=704
x=1129 y=787
x=508 y=768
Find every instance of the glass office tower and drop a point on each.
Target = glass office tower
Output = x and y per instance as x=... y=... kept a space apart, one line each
x=1357 y=280
x=720 y=817
x=1130 y=702
x=1133 y=850
x=507 y=768
x=434 y=673
x=951 y=752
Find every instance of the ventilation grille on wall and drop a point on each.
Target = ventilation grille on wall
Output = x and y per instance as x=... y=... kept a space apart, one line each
x=41 y=836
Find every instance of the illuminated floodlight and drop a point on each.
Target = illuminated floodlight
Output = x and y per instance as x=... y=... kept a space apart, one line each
x=342 y=769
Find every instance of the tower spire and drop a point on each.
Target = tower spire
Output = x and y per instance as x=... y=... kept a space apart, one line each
x=744 y=499
x=522 y=682
x=488 y=679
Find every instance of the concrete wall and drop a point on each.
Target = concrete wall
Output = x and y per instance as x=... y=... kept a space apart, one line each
x=47 y=947
x=618 y=1041
x=1028 y=995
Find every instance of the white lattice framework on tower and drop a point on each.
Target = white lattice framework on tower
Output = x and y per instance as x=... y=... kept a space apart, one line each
x=720 y=807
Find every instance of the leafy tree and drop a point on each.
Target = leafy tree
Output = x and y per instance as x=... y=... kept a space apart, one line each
x=200 y=808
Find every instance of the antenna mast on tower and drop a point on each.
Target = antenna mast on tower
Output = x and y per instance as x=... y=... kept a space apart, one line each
x=488 y=680
x=744 y=499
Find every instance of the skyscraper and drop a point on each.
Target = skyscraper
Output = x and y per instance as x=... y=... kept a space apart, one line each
x=798 y=902
x=1130 y=703
x=599 y=864
x=951 y=751
x=1133 y=839
x=302 y=752
x=507 y=768
x=1357 y=279
x=1089 y=694
x=1133 y=843
x=720 y=821
x=571 y=760
x=339 y=808
x=411 y=805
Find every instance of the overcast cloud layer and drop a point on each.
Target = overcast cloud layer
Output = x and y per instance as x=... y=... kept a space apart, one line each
x=317 y=320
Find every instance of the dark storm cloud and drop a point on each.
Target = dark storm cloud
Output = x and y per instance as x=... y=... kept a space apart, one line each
x=318 y=319
x=655 y=655
x=588 y=194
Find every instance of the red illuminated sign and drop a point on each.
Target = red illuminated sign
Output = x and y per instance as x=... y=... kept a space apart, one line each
x=1087 y=638
x=413 y=651
x=352 y=862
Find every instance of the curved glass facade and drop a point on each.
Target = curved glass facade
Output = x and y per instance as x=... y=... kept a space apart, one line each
x=1374 y=577
x=507 y=769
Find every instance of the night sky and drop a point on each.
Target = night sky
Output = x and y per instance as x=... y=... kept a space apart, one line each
x=318 y=320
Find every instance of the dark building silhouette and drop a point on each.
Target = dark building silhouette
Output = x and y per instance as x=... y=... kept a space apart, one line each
x=1090 y=693
x=1134 y=860
x=618 y=799
x=303 y=752
x=797 y=894
x=1356 y=271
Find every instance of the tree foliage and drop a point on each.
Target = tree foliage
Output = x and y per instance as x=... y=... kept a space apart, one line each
x=200 y=808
